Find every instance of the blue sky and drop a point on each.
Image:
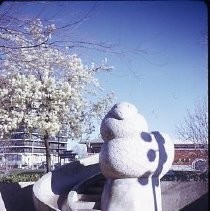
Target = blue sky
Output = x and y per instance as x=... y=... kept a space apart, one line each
x=167 y=76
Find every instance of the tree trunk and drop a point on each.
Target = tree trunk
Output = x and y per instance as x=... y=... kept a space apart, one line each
x=47 y=150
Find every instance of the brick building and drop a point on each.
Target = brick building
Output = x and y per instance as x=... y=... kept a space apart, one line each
x=188 y=156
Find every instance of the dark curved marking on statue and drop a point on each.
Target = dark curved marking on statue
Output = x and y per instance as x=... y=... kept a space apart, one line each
x=146 y=137
x=162 y=159
x=144 y=179
x=151 y=154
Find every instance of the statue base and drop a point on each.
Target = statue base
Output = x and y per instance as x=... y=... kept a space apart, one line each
x=134 y=194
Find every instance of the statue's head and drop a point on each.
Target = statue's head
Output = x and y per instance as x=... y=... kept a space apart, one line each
x=121 y=121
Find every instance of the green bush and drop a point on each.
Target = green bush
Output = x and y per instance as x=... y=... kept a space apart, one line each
x=22 y=176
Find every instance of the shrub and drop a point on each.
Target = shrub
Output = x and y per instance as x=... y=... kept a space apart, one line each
x=22 y=176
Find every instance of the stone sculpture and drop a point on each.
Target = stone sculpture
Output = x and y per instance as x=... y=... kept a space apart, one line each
x=133 y=160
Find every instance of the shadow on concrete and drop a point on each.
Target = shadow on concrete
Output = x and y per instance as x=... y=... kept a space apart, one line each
x=200 y=204
x=67 y=176
x=16 y=198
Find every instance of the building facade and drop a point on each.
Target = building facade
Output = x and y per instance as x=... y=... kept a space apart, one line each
x=93 y=146
x=24 y=150
x=191 y=157
x=187 y=157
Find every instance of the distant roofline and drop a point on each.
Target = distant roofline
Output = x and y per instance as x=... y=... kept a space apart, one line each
x=98 y=140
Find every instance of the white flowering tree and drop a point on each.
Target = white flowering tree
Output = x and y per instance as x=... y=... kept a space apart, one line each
x=45 y=88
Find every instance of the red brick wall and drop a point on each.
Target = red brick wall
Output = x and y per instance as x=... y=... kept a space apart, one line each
x=187 y=156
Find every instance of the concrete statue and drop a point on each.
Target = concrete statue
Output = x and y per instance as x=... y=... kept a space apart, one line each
x=133 y=160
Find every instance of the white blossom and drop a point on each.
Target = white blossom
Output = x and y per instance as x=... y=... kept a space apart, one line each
x=45 y=87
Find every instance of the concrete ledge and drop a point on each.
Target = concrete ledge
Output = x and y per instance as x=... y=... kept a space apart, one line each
x=51 y=190
x=177 y=195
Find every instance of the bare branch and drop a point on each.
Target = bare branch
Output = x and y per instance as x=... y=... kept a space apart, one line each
x=195 y=125
x=86 y=16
